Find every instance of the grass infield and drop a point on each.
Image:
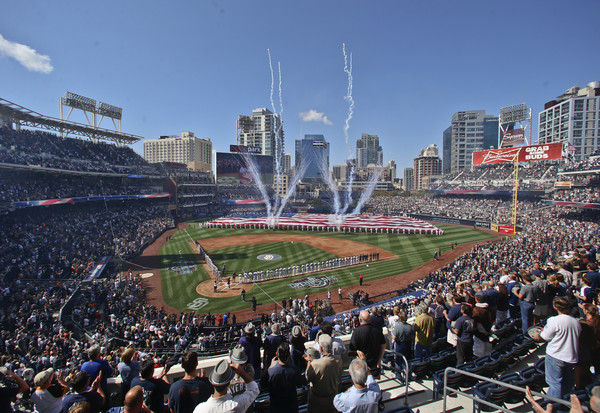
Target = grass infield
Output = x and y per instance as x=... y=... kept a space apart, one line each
x=181 y=270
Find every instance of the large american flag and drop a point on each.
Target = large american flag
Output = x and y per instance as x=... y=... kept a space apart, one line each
x=375 y=222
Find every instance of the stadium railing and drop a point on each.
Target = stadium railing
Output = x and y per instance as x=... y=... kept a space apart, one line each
x=479 y=400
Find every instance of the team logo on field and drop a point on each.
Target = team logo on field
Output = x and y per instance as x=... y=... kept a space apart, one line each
x=198 y=303
x=314 y=282
x=184 y=268
x=269 y=257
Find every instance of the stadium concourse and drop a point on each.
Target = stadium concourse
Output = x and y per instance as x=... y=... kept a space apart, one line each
x=472 y=313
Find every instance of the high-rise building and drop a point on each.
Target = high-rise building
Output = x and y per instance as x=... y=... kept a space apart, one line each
x=427 y=165
x=391 y=167
x=573 y=117
x=340 y=172
x=368 y=151
x=313 y=150
x=287 y=164
x=408 y=179
x=471 y=131
x=447 y=150
x=260 y=130
x=186 y=149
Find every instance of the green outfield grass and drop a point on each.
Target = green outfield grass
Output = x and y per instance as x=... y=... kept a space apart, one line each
x=179 y=288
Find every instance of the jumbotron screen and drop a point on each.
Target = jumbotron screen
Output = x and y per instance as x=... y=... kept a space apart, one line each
x=236 y=169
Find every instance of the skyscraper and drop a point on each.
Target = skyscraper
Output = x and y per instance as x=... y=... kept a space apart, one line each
x=368 y=151
x=313 y=150
x=260 y=130
x=427 y=164
x=471 y=131
x=408 y=179
x=573 y=118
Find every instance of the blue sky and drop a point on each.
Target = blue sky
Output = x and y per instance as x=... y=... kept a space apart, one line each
x=175 y=66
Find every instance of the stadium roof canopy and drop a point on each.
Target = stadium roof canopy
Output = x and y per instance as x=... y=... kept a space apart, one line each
x=22 y=116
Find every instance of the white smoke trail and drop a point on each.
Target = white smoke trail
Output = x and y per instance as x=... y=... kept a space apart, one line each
x=364 y=197
x=253 y=169
x=280 y=94
x=276 y=128
x=272 y=82
x=324 y=170
x=292 y=187
x=350 y=100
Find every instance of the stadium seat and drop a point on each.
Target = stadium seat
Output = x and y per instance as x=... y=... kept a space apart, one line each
x=489 y=392
x=513 y=396
x=419 y=368
x=454 y=380
x=536 y=379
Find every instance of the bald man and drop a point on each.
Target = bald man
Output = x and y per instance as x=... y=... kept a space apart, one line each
x=370 y=341
x=134 y=402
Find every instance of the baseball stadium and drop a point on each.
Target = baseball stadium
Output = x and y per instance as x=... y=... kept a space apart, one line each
x=444 y=297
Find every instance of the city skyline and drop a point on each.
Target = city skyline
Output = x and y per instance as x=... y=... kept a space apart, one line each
x=197 y=67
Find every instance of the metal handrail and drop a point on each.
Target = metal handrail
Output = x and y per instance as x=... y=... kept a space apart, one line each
x=406 y=372
x=498 y=383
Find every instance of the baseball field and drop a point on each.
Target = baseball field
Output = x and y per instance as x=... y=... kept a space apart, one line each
x=187 y=285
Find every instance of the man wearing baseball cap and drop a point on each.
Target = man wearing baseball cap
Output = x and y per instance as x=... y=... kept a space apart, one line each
x=221 y=400
x=47 y=397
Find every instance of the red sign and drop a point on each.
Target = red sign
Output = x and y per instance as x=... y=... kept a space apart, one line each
x=522 y=153
x=506 y=229
x=513 y=137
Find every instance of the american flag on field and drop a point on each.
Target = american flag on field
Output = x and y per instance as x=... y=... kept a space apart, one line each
x=324 y=220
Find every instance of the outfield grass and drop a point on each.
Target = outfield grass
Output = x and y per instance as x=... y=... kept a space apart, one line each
x=179 y=289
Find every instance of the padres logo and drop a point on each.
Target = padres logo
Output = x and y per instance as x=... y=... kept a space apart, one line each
x=314 y=282
x=269 y=257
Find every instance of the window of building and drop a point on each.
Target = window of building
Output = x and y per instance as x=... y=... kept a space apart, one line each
x=578 y=105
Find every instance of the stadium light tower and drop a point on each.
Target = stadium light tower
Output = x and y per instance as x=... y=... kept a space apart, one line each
x=91 y=106
x=509 y=115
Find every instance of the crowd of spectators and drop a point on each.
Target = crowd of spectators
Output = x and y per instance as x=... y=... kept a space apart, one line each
x=65 y=240
x=43 y=260
x=556 y=243
x=532 y=176
x=590 y=163
x=496 y=210
x=37 y=148
x=50 y=186
x=583 y=195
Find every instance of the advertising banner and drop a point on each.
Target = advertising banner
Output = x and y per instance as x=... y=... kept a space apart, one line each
x=245 y=149
x=562 y=184
x=513 y=137
x=523 y=154
x=506 y=229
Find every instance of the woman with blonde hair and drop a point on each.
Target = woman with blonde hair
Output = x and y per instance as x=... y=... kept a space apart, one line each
x=129 y=367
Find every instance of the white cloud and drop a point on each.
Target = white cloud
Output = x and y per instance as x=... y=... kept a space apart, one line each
x=25 y=55
x=314 y=116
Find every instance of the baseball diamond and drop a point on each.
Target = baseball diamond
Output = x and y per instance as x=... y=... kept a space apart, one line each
x=239 y=249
